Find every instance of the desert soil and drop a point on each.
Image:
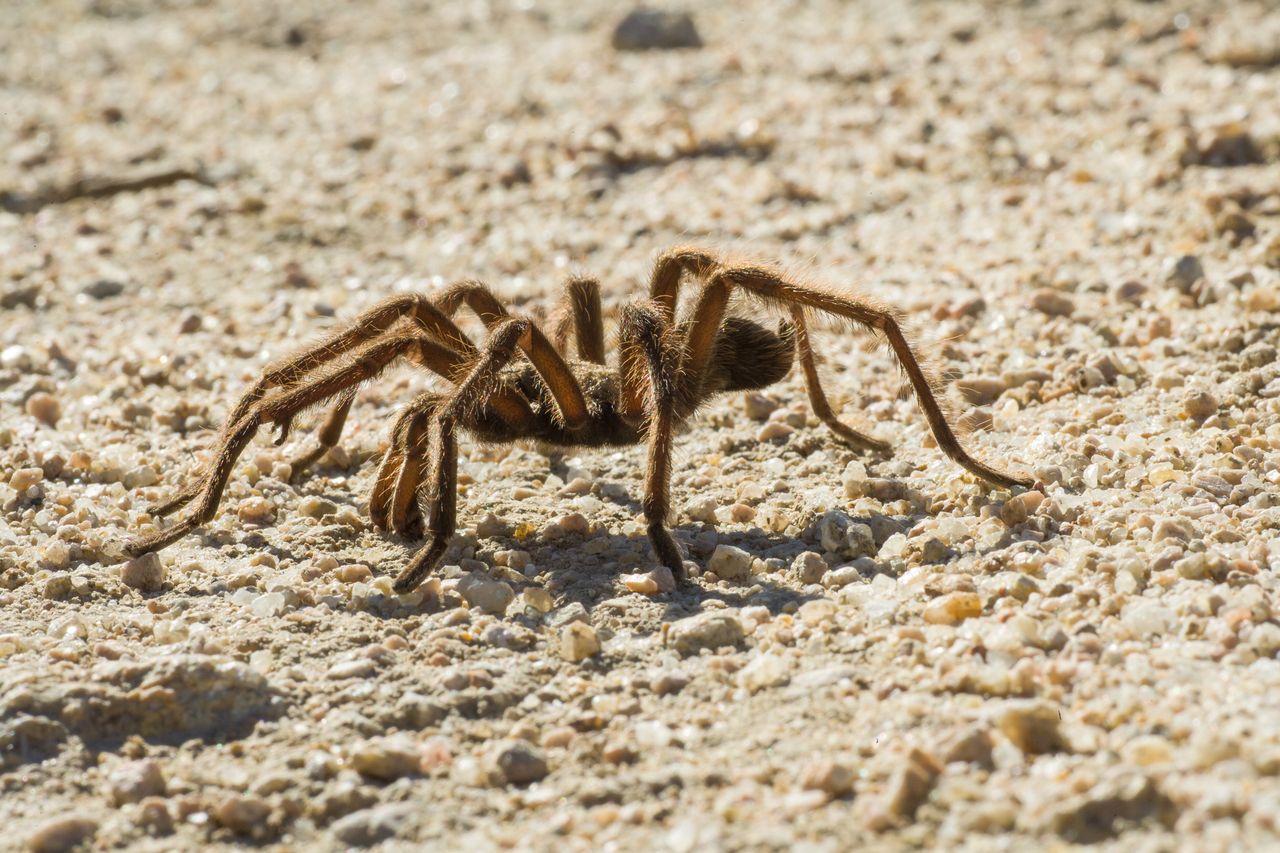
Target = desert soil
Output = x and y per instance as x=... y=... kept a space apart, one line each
x=1076 y=206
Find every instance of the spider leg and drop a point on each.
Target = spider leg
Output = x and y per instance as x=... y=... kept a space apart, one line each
x=771 y=286
x=581 y=316
x=646 y=330
x=475 y=295
x=571 y=403
x=442 y=481
x=392 y=504
x=664 y=284
x=817 y=399
x=327 y=437
x=368 y=326
x=282 y=405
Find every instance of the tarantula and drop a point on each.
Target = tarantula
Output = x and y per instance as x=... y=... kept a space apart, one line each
x=666 y=368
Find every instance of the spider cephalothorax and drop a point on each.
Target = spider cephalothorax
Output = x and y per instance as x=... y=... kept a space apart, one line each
x=519 y=385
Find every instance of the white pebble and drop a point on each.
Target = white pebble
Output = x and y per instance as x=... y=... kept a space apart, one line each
x=730 y=563
x=486 y=594
x=256 y=511
x=145 y=573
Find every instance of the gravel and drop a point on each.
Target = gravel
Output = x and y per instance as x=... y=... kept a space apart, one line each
x=873 y=650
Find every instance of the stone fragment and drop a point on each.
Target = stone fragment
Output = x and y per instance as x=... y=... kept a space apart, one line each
x=1174 y=529
x=134 y=781
x=1183 y=272
x=809 y=567
x=371 y=826
x=316 y=507
x=759 y=406
x=953 y=608
x=44 y=407
x=1052 y=303
x=578 y=641
x=1110 y=807
x=833 y=778
x=668 y=682
x=243 y=815
x=1199 y=405
x=730 y=563
x=710 y=630
x=972 y=745
x=103 y=288
x=256 y=510
x=909 y=786
x=145 y=573
x=61 y=834
x=519 y=762
x=386 y=758
x=651 y=582
x=655 y=29
x=1032 y=725
x=764 y=671
x=487 y=594
x=980 y=390
x=25 y=478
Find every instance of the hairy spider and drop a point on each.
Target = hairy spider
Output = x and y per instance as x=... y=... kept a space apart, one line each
x=665 y=369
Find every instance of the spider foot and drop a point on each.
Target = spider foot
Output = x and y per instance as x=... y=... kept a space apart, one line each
x=140 y=545
x=177 y=502
x=282 y=430
x=303 y=462
x=420 y=566
x=850 y=436
x=668 y=552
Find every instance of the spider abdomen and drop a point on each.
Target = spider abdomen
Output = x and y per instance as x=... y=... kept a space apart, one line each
x=747 y=356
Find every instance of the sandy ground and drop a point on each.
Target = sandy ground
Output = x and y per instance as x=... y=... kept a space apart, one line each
x=1076 y=205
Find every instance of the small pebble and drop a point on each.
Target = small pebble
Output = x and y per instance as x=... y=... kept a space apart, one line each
x=61 y=834
x=386 y=759
x=711 y=630
x=103 y=288
x=486 y=594
x=1032 y=725
x=1198 y=405
x=655 y=29
x=759 y=406
x=25 y=478
x=44 y=408
x=145 y=573
x=833 y=778
x=242 y=815
x=316 y=507
x=668 y=682
x=650 y=583
x=354 y=573
x=134 y=781
x=764 y=671
x=539 y=599
x=730 y=563
x=953 y=608
x=578 y=641
x=256 y=511
x=980 y=390
x=1052 y=303
x=910 y=784
x=809 y=567
x=519 y=763
x=491 y=527
x=1183 y=272
x=772 y=430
